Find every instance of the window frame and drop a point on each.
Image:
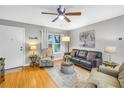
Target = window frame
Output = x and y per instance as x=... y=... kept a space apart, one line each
x=53 y=42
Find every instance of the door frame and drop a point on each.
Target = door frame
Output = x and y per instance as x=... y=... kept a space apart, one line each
x=23 y=42
x=24 y=53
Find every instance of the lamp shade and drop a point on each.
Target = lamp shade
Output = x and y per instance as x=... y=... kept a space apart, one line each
x=33 y=47
x=110 y=49
x=65 y=38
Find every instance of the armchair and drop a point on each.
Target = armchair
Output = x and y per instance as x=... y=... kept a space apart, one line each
x=108 y=71
x=107 y=78
x=111 y=72
x=46 y=58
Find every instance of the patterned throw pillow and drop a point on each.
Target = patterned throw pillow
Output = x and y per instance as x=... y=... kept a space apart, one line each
x=43 y=53
x=121 y=74
x=82 y=54
x=73 y=52
x=91 y=56
x=121 y=78
x=121 y=67
x=121 y=82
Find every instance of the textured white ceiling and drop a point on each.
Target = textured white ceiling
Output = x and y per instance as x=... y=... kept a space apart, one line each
x=32 y=14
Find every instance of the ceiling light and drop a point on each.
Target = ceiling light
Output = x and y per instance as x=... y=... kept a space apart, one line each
x=61 y=17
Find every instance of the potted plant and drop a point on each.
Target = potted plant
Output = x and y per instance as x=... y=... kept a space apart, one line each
x=2 y=59
x=67 y=58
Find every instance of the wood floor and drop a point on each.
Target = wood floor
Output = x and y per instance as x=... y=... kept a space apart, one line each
x=28 y=77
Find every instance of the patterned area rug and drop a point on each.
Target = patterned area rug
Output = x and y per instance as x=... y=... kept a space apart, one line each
x=76 y=80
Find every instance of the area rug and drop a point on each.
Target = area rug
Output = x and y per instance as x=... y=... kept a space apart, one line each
x=76 y=80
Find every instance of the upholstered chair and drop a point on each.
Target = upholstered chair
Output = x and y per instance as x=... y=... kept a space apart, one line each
x=112 y=72
x=46 y=58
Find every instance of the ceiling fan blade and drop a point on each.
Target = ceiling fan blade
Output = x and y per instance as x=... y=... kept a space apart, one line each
x=55 y=19
x=73 y=14
x=67 y=19
x=49 y=13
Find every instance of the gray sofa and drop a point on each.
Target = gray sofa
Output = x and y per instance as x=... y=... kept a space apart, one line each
x=107 y=78
x=86 y=59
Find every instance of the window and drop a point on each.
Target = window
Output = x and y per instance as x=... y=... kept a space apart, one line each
x=54 y=42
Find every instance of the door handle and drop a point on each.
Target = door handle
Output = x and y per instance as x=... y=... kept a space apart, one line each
x=21 y=48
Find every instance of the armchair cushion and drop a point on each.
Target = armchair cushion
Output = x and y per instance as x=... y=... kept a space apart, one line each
x=121 y=82
x=121 y=78
x=121 y=67
x=108 y=71
x=103 y=80
x=43 y=53
x=91 y=56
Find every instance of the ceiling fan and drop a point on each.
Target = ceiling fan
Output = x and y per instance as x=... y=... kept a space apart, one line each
x=62 y=15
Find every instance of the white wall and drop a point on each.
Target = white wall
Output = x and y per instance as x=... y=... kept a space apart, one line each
x=106 y=34
x=32 y=31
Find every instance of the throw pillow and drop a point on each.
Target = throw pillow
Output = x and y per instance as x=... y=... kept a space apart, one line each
x=121 y=74
x=43 y=53
x=121 y=82
x=73 y=53
x=77 y=52
x=121 y=67
x=91 y=56
x=82 y=54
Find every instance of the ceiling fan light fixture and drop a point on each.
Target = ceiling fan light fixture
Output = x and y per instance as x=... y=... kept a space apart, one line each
x=61 y=17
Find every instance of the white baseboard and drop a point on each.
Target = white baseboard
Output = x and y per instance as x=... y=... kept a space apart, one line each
x=26 y=64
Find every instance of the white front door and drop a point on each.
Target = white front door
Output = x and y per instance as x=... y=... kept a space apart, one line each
x=12 y=46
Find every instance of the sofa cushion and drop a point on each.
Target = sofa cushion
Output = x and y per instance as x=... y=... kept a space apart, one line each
x=91 y=56
x=86 y=63
x=103 y=80
x=75 y=59
x=82 y=54
x=73 y=52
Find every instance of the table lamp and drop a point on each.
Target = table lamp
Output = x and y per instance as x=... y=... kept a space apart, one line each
x=110 y=50
x=33 y=49
x=66 y=39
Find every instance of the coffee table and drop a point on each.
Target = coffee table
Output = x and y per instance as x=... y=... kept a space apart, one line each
x=112 y=65
x=67 y=67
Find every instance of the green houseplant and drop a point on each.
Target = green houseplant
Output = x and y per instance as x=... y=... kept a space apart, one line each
x=67 y=58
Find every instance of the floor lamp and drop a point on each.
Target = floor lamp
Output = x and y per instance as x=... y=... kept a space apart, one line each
x=110 y=50
x=66 y=39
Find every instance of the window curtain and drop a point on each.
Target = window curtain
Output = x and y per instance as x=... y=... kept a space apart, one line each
x=44 y=34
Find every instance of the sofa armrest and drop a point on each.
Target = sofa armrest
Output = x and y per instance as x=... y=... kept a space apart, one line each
x=108 y=71
x=94 y=62
x=90 y=85
x=98 y=62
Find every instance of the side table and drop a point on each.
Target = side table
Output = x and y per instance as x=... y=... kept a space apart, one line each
x=67 y=68
x=2 y=70
x=112 y=64
x=33 y=60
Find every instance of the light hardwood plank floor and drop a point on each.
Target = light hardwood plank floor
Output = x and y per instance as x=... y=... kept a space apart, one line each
x=28 y=77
